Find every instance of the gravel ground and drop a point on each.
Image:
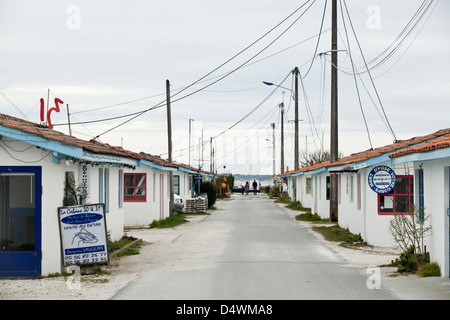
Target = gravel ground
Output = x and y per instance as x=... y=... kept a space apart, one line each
x=156 y=247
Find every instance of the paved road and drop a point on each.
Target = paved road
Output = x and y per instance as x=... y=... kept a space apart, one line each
x=251 y=249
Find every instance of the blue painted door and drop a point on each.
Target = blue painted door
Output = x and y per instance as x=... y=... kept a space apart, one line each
x=20 y=221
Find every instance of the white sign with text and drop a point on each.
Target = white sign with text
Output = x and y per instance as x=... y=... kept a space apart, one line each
x=83 y=234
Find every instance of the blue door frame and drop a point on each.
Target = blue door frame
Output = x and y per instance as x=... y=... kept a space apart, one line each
x=25 y=263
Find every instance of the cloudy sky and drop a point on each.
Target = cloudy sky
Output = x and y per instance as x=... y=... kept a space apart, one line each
x=109 y=59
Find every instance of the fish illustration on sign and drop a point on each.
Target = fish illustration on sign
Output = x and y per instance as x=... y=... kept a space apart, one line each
x=84 y=237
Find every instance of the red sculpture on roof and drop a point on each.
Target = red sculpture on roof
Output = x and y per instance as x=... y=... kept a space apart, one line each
x=56 y=108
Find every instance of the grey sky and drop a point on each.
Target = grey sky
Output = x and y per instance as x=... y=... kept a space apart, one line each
x=95 y=54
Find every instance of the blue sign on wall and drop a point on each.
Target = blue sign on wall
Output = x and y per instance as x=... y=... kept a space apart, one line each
x=382 y=179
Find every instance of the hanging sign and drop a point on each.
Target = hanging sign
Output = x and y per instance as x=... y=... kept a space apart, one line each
x=382 y=179
x=83 y=234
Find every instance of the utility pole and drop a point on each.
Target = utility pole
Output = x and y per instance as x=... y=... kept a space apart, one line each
x=68 y=119
x=199 y=154
x=169 y=135
x=48 y=99
x=334 y=115
x=203 y=148
x=210 y=155
x=273 y=148
x=282 y=137
x=296 y=148
x=190 y=140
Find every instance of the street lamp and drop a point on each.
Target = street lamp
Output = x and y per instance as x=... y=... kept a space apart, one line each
x=276 y=85
x=295 y=93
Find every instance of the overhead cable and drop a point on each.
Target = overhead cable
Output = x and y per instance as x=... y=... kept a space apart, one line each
x=406 y=32
x=354 y=77
x=318 y=39
x=368 y=71
x=162 y=103
x=249 y=113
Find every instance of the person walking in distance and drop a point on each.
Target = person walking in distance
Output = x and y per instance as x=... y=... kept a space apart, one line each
x=255 y=187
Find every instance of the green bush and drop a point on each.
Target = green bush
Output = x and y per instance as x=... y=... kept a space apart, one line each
x=429 y=270
x=274 y=192
x=409 y=261
x=308 y=216
x=210 y=189
x=355 y=238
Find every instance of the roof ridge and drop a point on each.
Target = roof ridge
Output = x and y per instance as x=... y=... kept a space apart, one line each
x=441 y=138
x=91 y=145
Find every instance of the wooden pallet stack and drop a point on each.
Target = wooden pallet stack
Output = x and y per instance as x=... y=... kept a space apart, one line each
x=196 y=205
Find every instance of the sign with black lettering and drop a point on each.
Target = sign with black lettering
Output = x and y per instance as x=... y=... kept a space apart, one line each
x=83 y=234
x=382 y=179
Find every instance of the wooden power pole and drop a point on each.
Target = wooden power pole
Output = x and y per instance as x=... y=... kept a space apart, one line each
x=296 y=146
x=169 y=136
x=282 y=137
x=334 y=115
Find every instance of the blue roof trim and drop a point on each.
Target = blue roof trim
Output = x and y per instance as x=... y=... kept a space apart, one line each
x=372 y=161
x=156 y=166
x=38 y=141
x=321 y=170
x=186 y=170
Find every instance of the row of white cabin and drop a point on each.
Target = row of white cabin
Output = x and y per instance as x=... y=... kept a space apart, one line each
x=34 y=163
x=422 y=167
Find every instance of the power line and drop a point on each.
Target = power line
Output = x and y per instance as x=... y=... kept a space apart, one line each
x=246 y=62
x=268 y=115
x=137 y=114
x=354 y=77
x=118 y=104
x=368 y=71
x=247 y=115
x=18 y=109
x=401 y=38
x=318 y=39
x=178 y=89
x=248 y=47
x=309 y=113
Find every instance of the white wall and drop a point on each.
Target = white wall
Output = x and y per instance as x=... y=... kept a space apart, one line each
x=305 y=199
x=365 y=219
x=141 y=214
x=114 y=214
x=53 y=178
x=321 y=205
x=436 y=194
x=349 y=216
